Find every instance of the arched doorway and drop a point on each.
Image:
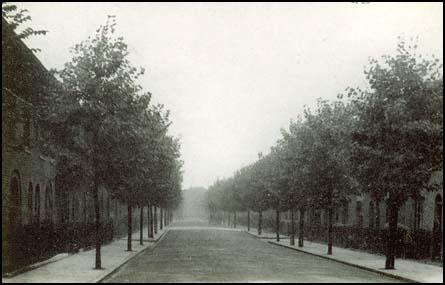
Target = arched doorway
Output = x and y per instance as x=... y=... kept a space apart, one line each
x=14 y=203
x=437 y=229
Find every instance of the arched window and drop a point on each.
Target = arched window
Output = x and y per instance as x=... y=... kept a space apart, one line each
x=15 y=203
x=37 y=205
x=30 y=203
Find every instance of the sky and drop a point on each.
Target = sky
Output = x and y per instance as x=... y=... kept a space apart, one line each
x=234 y=74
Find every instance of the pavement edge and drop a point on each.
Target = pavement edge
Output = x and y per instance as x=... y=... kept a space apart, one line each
x=107 y=274
x=348 y=263
x=34 y=266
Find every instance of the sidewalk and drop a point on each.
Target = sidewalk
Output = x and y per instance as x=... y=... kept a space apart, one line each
x=79 y=267
x=407 y=270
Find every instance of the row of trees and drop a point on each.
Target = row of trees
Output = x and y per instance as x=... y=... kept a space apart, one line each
x=105 y=130
x=385 y=140
x=108 y=127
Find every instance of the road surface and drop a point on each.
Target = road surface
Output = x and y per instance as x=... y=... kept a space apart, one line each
x=197 y=254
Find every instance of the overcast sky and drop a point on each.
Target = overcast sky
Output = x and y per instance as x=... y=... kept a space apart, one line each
x=233 y=74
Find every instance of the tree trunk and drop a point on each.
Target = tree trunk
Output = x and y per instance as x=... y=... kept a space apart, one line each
x=141 y=232
x=330 y=214
x=148 y=220
x=151 y=222
x=234 y=219
x=377 y=214
x=129 y=226
x=161 y=213
x=392 y=235
x=292 y=228
x=260 y=221
x=278 y=224
x=248 y=220
x=98 y=232
x=228 y=219
x=156 y=219
x=301 y=228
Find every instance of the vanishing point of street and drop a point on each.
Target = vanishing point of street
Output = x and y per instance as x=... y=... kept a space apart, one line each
x=191 y=253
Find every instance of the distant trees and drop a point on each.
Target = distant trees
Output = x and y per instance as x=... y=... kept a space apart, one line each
x=104 y=120
x=386 y=140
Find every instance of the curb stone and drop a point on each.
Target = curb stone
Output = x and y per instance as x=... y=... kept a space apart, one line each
x=107 y=274
x=348 y=263
x=36 y=265
x=263 y=237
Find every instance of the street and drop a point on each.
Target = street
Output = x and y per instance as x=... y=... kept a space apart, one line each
x=197 y=254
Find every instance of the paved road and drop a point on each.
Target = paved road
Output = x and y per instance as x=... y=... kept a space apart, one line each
x=216 y=255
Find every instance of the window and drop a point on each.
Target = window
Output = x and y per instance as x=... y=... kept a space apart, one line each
x=359 y=215
x=418 y=213
x=30 y=202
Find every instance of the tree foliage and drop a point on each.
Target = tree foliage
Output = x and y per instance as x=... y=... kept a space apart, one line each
x=17 y=18
x=104 y=123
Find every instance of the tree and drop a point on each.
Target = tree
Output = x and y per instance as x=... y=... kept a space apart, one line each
x=398 y=136
x=99 y=102
x=327 y=157
x=296 y=164
x=260 y=192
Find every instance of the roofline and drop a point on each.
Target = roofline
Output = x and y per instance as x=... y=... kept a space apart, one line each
x=24 y=46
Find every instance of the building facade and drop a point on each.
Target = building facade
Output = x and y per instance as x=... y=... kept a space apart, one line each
x=41 y=216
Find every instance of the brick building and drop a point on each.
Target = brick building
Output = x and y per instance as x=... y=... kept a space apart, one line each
x=41 y=216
